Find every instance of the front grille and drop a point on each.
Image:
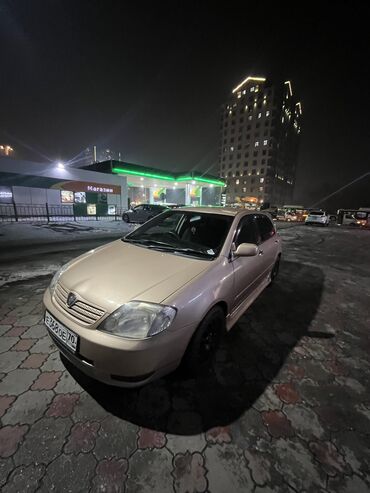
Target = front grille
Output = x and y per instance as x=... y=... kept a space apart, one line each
x=82 y=311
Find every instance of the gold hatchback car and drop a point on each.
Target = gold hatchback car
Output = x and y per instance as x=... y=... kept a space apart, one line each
x=131 y=311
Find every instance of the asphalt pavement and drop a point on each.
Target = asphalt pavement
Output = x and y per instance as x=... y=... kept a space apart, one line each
x=285 y=408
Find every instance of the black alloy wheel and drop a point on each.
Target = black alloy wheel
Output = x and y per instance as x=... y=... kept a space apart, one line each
x=205 y=342
x=275 y=270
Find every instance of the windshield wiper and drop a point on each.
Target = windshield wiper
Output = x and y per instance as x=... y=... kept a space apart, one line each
x=170 y=248
x=166 y=247
x=147 y=242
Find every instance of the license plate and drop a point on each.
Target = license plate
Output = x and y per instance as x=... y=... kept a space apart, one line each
x=66 y=336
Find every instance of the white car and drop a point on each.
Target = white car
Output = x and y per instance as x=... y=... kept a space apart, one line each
x=318 y=217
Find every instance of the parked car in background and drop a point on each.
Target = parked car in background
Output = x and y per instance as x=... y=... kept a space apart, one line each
x=270 y=209
x=362 y=217
x=280 y=215
x=318 y=217
x=141 y=213
x=131 y=311
x=346 y=217
x=291 y=216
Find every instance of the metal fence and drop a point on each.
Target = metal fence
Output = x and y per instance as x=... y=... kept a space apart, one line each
x=49 y=213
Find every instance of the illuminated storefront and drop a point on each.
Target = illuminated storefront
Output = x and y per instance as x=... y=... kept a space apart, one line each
x=25 y=183
x=105 y=188
x=153 y=185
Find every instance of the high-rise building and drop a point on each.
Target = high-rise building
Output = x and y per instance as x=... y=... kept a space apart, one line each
x=94 y=154
x=260 y=130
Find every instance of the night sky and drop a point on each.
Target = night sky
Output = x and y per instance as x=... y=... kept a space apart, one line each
x=148 y=79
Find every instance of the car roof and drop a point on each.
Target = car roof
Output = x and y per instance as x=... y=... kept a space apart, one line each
x=226 y=211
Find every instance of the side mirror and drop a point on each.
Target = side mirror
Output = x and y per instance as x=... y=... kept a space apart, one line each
x=246 y=250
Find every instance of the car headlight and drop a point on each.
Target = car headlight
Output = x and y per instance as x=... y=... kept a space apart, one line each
x=57 y=275
x=139 y=320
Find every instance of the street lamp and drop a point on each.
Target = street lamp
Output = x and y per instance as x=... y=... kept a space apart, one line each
x=60 y=165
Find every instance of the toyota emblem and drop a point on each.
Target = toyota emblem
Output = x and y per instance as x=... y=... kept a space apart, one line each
x=71 y=300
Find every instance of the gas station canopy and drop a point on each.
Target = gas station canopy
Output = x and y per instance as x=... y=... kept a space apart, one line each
x=152 y=177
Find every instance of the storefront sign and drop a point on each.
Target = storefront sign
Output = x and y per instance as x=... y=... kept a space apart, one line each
x=93 y=188
x=83 y=186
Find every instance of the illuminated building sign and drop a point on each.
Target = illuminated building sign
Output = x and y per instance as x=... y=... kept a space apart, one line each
x=80 y=197
x=93 y=188
x=91 y=209
x=67 y=197
x=83 y=186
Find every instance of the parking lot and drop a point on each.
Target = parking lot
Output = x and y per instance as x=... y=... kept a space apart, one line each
x=285 y=408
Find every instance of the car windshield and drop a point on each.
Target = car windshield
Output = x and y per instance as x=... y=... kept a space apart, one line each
x=184 y=232
x=316 y=213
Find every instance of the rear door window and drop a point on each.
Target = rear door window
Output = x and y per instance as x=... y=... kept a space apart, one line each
x=266 y=227
x=247 y=232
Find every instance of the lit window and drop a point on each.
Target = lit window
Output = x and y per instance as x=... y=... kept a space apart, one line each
x=236 y=182
x=244 y=189
x=246 y=108
x=261 y=189
x=250 y=117
x=252 y=89
x=267 y=113
x=232 y=149
x=256 y=144
x=259 y=115
x=262 y=180
x=265 y=142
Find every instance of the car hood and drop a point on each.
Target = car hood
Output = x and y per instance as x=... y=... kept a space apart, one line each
x=120 y=272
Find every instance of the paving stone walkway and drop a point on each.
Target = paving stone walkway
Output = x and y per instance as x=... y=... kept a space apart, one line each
x=286 y=407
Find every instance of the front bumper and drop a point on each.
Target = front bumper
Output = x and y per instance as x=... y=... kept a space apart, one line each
x=118 y=361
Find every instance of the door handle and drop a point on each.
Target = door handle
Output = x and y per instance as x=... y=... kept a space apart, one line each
x=260 y=252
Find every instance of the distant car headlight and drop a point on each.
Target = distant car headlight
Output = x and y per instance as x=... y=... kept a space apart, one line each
x=139 y=320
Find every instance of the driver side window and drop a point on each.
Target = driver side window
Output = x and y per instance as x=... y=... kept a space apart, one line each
x=248 y=232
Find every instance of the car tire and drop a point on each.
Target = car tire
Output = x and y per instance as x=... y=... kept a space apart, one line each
x=204 y=343
x=126 y=218
x=275 y=270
